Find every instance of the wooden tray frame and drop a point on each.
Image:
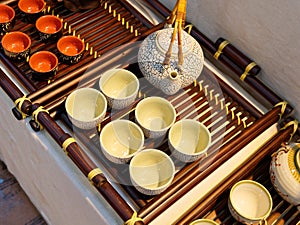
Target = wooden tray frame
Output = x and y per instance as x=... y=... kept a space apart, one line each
x=45 y=110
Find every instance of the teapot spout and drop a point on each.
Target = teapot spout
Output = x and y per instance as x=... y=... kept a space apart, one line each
x=171 y=83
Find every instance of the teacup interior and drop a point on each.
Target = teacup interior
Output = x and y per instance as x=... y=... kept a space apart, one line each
x=31 y=6
x=70 y=46
x=151 y=170
x=49 y=24
x=43 y=61
x=6 y=13
x=121 y=138
x=154 y=114
x=86 y=104
x=16 y=42
x=119 y=84
x=250 y=200
x=189 y=137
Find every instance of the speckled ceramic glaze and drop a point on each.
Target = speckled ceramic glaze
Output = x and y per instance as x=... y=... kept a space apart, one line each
x=173 y=77
x=285 y=173
x=120 y=140
x=189 y=140
x=86 y=108
x=120 y=87
x=151 y=171
x=250 y=202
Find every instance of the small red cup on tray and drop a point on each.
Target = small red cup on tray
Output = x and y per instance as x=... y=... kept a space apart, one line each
x=49 y=28
x=32 y=9
x=44 y=65
x=71 y=49
x=16 y=45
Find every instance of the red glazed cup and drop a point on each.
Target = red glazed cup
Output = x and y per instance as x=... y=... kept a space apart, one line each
x=44 y=65
x=7 y=18
x=49 y=27
x=32 y=9
x=71 y=49
x=16 y=45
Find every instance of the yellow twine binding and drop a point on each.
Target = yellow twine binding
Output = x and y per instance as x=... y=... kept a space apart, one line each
x=294 y=123
x=283 y=108
x=220 y=49
x=66 y=144
x=19 y=102
x=36 y=113
x=189 y=28
x=94 y=173
x=247 y=70
x=133 y=219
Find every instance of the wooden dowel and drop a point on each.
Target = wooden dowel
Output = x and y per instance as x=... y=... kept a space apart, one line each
x=17 y=73
x=238 y=57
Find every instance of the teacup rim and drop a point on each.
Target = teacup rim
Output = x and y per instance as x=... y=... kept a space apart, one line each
x=201 y=125
x=262 y=188
x=16 y=32
x=106 y=73
x=70 y=36
x=86 y=89
x=203 y=220
x=162 y=99
x=8 y=7
x=128 y=122
x=45 y=16
x=43 y=52
x=160 y=152
x=32 y=13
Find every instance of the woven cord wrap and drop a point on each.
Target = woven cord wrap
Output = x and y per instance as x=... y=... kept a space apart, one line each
x=133 y=219
x=66 y=144
x=19 y=102
x=247 y=70
x=294 y=123
x=220 y=49
x=283 y=108
x=36 y=113
x=189 y=28
x=94 y=173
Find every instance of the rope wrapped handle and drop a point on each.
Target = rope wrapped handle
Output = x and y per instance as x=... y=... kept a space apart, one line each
x=179 y=12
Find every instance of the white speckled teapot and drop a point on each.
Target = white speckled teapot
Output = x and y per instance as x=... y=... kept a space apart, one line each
x=172 y=76
x=285 y=173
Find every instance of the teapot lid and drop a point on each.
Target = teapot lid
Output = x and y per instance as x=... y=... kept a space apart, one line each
x=164 y=37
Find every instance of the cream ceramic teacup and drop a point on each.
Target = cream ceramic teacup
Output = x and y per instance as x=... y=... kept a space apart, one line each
x=155 y=115
x=151 y=171
x=120 y=86
x=86 y=107
x=120 y=140
x=250 y=202
x=203 y=222
x=189 y=140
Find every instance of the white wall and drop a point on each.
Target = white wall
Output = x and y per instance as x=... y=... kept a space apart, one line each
x=267 y=31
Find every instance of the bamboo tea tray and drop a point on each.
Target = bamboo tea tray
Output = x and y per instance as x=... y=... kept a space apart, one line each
x=111 y=34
